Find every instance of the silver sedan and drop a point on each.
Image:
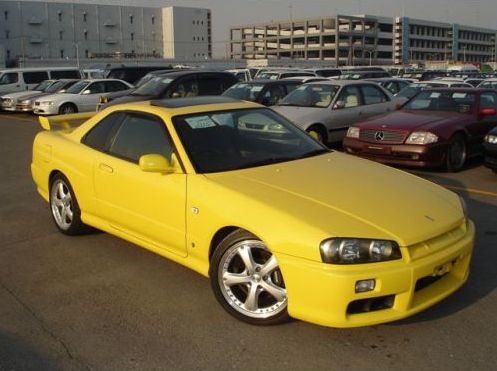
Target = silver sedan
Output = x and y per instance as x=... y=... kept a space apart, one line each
x=326 y=109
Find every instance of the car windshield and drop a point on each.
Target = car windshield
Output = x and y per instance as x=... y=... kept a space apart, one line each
x=448 y=101
x=488 y=85
x=312 y=95
x=60 y=86
x=44 y=85
x=269 y=76
x=244 y=91
x=155 y=86
x=145 y=79
x=78 y=87
x=239 y=139
x=411 y=90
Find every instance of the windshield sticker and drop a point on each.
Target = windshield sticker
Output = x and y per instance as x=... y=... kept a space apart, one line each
x=257 y=88
x=434 y=95
x=459 y=95
x=200 y=122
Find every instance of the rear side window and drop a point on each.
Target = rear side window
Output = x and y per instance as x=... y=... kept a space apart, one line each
x=66 y=74
x=373 y=95
x=211 y=85
x=111 y=86
x=9 y=78
x=98 y=137
x=34 y=77
x=350 y=96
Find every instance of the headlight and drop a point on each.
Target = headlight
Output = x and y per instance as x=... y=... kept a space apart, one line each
x=358 y=251
x=46 y=103
x=422 y=137
x=26 y=101
x=353 y=132
x=491 y=139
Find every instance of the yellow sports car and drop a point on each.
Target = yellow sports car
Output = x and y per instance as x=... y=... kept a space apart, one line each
x=283 y=226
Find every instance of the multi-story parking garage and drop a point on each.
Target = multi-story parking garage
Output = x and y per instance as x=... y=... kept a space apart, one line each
x=40 y=30
x=363 y=39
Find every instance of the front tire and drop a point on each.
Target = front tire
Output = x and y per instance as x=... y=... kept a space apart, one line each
x=67 y=109
x=247 y=281
x=64 y=207
x=456 y=155
x=318 y=133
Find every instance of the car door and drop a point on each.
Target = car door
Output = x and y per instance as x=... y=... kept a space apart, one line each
x=376 y=101
x=89 y=97
x=346 y=111
x=145 y=206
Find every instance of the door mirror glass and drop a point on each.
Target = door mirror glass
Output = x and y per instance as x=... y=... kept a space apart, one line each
x=340 y=104
x=86 y=92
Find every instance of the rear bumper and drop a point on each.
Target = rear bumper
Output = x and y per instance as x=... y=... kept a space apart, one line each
x=325 y=294
x=432 y=155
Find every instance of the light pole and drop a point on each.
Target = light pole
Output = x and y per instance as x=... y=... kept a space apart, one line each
x=370 y=55
x=76 y=45
x=464 y=53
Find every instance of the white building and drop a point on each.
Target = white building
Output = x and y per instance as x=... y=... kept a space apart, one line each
x=40 y=30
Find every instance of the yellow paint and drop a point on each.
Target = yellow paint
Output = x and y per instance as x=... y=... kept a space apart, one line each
x=291 y=206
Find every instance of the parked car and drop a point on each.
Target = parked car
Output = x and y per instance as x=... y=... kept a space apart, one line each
x=20 y=79
x=131 y=74
x=490 y=147
x=281 y=225
x=488 y=84
x=266 y=92
x=8 y=101
x=360 y=75
x=326 y=109
x=281 y=74
x=81 y=97
x=24 y=101
x=180 y=84
x=392 y=84
x=438 y=127
x=325 y=72
x=242 y=74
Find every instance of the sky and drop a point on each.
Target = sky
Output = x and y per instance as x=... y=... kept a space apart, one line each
x=226 y=13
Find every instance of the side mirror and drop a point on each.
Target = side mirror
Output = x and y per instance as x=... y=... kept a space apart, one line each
x=155 y=163
x=103 y=99
x=340 y=104
x=86 y=92
x=488 y=112
x=399 y=106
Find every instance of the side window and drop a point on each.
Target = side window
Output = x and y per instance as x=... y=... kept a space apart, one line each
x=291 y=87
x=140 y=135
x=373 y=95
x=351 y=96
x=211 y=85
x=186 y=87
x=392 y=87
x=98 y=136
x=9 y=78
x=34 y=77
x=96 y=88
x=111 y=86
x=67 y=74
x=273 y=94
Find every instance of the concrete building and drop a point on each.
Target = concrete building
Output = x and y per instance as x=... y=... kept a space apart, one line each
x=363 y=39
x=41 y=30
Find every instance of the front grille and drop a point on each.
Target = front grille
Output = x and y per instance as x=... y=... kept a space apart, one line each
x=37 y=103
x=371 y=304
x=383 y=136
x=426 y=281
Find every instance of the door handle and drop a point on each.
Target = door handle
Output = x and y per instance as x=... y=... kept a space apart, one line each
x=106 y=168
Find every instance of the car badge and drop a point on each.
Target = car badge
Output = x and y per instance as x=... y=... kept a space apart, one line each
x=429 y=218
x=379 y=135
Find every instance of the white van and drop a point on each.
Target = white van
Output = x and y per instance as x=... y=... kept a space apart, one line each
x=19 y=79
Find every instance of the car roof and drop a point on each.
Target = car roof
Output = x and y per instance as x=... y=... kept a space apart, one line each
x=461 y=90
x=269 y=82
x=193 y=101
x=341 y=82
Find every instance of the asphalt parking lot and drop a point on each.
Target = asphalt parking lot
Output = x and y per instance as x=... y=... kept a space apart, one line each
x=96 y=302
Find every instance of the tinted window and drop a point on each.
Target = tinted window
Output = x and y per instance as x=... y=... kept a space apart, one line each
x=442 y=101
x=140 y=135
x=373 y=95
x=9 y=78
x=96 y=87
x=214 y=85
x=114 y=86
x=273 y=94
x=351 y=96
x=328 y=73
x=185 y=87
x=67 y=74
x=312 y=95
x=98 y=136
x=34 y=77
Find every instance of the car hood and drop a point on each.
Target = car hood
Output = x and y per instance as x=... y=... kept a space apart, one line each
x=129 y=99
x=33 y=95
x=344 y=196
x=57 y=98
x=119 y=94
x=303 y=115
x=414 y=120
x=20 y=95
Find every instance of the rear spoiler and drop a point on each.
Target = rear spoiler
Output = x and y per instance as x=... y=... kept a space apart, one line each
x=64 y=121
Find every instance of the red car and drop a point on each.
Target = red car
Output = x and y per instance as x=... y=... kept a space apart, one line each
x=438 y=127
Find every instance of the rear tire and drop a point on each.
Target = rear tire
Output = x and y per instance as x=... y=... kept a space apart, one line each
x=456 y=154
x=67 y=109
x=64 y=207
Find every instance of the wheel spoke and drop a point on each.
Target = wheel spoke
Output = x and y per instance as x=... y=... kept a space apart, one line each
x=276 y=292
x=63 y=215
x=69 y=212
x=60 y=191
x=246 y=254
x=269 y=266
x=231 y=279
x=252 y=301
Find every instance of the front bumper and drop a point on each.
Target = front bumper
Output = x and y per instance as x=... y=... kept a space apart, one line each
x=45 y=109
x=325 y=294
x=431 y=155
x=490 y=155
x=23 y=107
x=11 y=107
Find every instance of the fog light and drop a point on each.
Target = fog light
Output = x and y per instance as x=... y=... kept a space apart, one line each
x=365 y=285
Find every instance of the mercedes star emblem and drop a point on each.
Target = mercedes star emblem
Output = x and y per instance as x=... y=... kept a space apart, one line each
x=379 y=135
